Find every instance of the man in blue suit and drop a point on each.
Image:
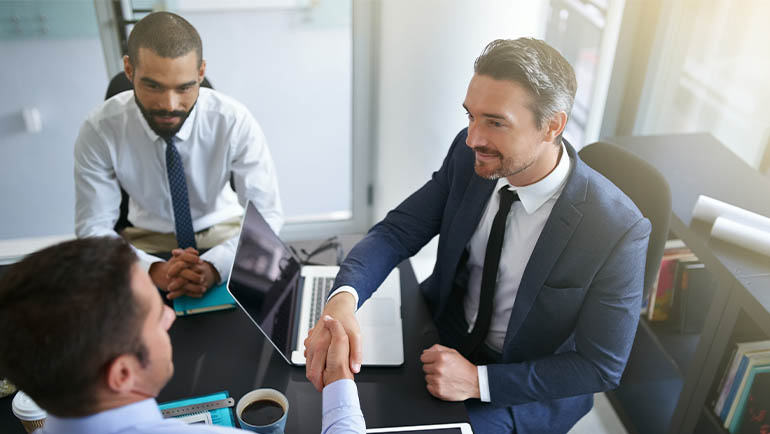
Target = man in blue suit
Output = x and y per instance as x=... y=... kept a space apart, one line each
x=538 y=281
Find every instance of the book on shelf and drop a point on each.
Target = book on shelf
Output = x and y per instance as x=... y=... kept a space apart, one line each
x=734 y=387
x=216 y=298
x=732 y=404
x=662 y=294
x=742 y=401
x=693 y=290
x=728 y=377
x=754 y=416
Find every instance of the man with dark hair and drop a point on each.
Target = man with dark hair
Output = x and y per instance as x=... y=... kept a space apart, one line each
x=175 y=148
x=538 y=280
x=85 y=334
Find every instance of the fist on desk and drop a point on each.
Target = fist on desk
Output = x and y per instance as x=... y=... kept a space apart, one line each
x=449 y=375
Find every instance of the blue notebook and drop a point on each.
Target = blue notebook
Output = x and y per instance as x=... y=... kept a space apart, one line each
x=220 y=416
x=216 y=298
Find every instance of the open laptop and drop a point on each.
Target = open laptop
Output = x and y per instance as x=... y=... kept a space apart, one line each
x=285 y=299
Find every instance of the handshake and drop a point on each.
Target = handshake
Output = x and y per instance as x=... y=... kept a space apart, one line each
x=337 y=365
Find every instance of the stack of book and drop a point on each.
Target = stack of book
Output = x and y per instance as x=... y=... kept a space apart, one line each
x=682 y=292
x=743 y=399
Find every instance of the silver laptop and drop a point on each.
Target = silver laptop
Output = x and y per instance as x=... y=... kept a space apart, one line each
x=285 y=299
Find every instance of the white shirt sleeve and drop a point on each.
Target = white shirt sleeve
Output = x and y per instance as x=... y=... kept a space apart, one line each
x=254 y=173
x=221 y=257
x=255 y=180
x=97 y=192
x=483 y=384
x=341 y=409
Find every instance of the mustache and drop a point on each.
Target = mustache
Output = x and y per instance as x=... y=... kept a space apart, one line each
x=177 y=113
x=486 y=150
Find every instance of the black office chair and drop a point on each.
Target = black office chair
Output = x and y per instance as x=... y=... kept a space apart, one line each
x=118 y=84
x=645 y=186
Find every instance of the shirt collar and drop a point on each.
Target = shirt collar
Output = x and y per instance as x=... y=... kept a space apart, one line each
x=181 y=135
x=533 y=196
x=108 y=421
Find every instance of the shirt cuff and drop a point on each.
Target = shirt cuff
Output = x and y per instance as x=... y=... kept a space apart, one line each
x=341 y=409
x=348 y=289
x=483 y=384
x=221 y=258
x=146 y=259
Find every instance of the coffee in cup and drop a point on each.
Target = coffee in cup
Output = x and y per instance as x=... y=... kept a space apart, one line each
x=263 y=411
x=25 y=409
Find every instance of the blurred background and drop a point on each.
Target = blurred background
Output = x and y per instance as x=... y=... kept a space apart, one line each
x=360 y=99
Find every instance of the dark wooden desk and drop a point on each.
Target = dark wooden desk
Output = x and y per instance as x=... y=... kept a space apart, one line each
x=225 y=351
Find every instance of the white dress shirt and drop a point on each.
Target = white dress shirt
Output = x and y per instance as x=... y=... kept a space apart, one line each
x=341 y=415
x=522 y=229
x=117 y=148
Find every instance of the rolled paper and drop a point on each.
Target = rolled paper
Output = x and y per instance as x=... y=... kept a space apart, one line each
x=741 y=234
x=708 y=209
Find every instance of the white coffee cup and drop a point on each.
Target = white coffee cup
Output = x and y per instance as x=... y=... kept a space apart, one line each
x=25 y=409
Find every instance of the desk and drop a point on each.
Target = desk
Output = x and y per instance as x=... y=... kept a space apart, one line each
x=225 y=351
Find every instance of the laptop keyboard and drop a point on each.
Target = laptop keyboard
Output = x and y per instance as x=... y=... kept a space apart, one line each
x=321 y=288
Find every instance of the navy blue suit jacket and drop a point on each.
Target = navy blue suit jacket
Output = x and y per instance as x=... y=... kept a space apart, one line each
x=577 y=307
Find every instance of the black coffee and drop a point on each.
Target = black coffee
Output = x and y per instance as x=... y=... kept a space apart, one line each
x=262 y=412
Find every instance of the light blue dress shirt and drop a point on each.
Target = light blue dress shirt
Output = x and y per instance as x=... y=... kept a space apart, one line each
x=341 y=415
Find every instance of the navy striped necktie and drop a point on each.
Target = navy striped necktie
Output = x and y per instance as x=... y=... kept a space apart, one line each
x=177 y=183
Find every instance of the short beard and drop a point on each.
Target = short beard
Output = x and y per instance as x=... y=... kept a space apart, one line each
x=165 y=133
x=505 y=169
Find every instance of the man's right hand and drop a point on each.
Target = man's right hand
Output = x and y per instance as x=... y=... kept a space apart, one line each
x=338 y=356
x=341 y=307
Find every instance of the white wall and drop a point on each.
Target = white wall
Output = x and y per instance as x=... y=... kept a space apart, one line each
x=293 y=70
x=427 y=50
x=63 y=79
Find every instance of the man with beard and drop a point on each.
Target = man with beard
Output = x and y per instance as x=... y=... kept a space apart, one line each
x=174 y=148
x=538 y=280
x=85 y=335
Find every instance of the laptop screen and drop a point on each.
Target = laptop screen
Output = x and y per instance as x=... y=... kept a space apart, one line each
x=265 y=280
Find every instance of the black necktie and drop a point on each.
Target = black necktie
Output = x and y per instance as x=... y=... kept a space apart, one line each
x=177 y=183
x=489 y=272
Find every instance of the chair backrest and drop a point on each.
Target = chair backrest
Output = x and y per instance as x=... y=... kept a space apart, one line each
x=120 y=83
x=645 y=186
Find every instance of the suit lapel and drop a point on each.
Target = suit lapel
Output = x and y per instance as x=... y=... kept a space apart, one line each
x=558 y=230
x=464 y=224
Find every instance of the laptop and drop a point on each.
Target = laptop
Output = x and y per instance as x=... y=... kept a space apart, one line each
x=285 y=299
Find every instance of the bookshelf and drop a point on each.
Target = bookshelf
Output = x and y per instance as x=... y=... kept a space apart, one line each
x=671 y=378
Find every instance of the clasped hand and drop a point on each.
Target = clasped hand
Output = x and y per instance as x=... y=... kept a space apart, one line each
x=184 y=274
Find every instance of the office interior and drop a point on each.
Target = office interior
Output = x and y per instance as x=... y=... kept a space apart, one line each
x=360 y=99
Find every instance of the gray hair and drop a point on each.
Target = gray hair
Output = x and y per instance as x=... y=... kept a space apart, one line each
x=537 y=66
